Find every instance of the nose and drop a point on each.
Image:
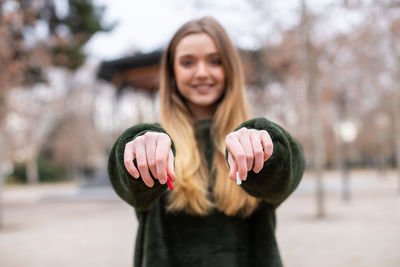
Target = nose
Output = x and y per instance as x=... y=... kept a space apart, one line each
x=202 y=70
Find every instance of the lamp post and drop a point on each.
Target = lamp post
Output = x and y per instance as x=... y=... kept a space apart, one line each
x=347 y=132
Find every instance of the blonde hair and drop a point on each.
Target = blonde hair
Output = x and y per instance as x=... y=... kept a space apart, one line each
x=191 y=193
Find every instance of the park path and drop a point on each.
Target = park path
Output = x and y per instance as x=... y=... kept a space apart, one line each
x=64 y=225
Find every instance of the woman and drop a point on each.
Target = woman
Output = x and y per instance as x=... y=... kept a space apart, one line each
x=207 y=219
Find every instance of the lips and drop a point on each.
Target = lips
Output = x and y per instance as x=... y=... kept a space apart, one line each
x=203 y=88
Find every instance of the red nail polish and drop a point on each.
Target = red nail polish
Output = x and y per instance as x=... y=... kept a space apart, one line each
x=169 y=182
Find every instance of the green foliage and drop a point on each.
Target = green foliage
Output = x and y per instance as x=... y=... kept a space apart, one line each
x=24 y=55
x=71 y=57
x=83 y=20
x=48 y=172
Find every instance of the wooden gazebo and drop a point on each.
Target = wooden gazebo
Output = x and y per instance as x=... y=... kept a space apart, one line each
x=141 y=71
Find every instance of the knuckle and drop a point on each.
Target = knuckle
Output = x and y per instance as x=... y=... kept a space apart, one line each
x=148 y=134
x=243 y=130
x=159 y=161
x=249 y=156
x=241 y=156
x=129 y=144
x=141 y=164
x=165 y=138
x=151 y=164
x=258 y=153
x=141 y=167
x=229 y=137
x=265 y=136
x=138 y=139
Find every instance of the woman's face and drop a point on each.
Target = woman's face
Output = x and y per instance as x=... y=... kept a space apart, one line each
x=199 y=74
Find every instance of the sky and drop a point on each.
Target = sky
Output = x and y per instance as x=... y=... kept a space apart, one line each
x=148 y=25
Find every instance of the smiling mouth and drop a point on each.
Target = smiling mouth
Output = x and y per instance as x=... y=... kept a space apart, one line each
x=203 y=88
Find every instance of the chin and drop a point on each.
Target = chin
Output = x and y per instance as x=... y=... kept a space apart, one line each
x=207 y=103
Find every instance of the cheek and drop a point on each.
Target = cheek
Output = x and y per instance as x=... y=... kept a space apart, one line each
x=219 y=74
x=181 y=75
x=181 y=81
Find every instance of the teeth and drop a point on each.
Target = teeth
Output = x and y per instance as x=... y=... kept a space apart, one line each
x=203 y=87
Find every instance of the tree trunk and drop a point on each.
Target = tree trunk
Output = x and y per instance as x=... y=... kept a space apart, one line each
x=1 y=196
x=397 y=126
x=32 y=173
x=313 y=102
x=1 y=187
x=395 y=43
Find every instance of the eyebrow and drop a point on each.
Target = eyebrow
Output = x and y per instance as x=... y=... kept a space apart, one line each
x=208 y=55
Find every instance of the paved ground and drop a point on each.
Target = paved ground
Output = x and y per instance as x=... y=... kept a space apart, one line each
x=63 y=225
x=363 y=232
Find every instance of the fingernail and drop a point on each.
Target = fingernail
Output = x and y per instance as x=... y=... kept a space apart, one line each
x=169 y=182
x=238 y=180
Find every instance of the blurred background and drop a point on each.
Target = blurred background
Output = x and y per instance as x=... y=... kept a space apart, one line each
x=76 y=73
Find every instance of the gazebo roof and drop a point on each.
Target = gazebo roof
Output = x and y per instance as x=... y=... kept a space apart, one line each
x=108 y=69
x=141 y=71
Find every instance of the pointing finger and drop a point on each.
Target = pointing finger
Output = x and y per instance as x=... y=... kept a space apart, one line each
x=239 y=156
x=256 y=143
x=244 y=139
x=141 y=161
x=267 y=144
x=171 y=170
x=129 y=155
x=232 y=167
x=163 y=147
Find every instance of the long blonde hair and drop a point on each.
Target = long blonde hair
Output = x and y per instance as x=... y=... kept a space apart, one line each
x=191 y=193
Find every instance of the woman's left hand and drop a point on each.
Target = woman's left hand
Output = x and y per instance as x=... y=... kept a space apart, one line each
x=248 y=149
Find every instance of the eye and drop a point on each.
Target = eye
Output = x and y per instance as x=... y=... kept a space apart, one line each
x=186 y=62
x=216 y=61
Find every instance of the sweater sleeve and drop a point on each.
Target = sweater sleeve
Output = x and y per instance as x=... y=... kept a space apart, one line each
x=133 y=191
x=282 y=172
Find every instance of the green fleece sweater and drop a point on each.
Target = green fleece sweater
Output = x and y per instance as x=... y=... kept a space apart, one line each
x=217 y=240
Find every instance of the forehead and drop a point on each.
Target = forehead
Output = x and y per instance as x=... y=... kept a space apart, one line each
x=196 y=44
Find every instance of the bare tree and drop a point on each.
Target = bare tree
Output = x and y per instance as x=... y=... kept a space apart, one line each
x=313 y=100
x=395 y=40
x=396 y=111
x=397 y=123
x=31 y=118
x=24 y=56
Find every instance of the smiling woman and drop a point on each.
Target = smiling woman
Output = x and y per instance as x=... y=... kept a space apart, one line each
x=207 y=219
x=199 y=74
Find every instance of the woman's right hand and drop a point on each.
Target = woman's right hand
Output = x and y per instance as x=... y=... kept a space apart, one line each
x=153 y=153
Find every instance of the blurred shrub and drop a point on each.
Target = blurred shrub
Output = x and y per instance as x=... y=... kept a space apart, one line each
x=48 y=172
